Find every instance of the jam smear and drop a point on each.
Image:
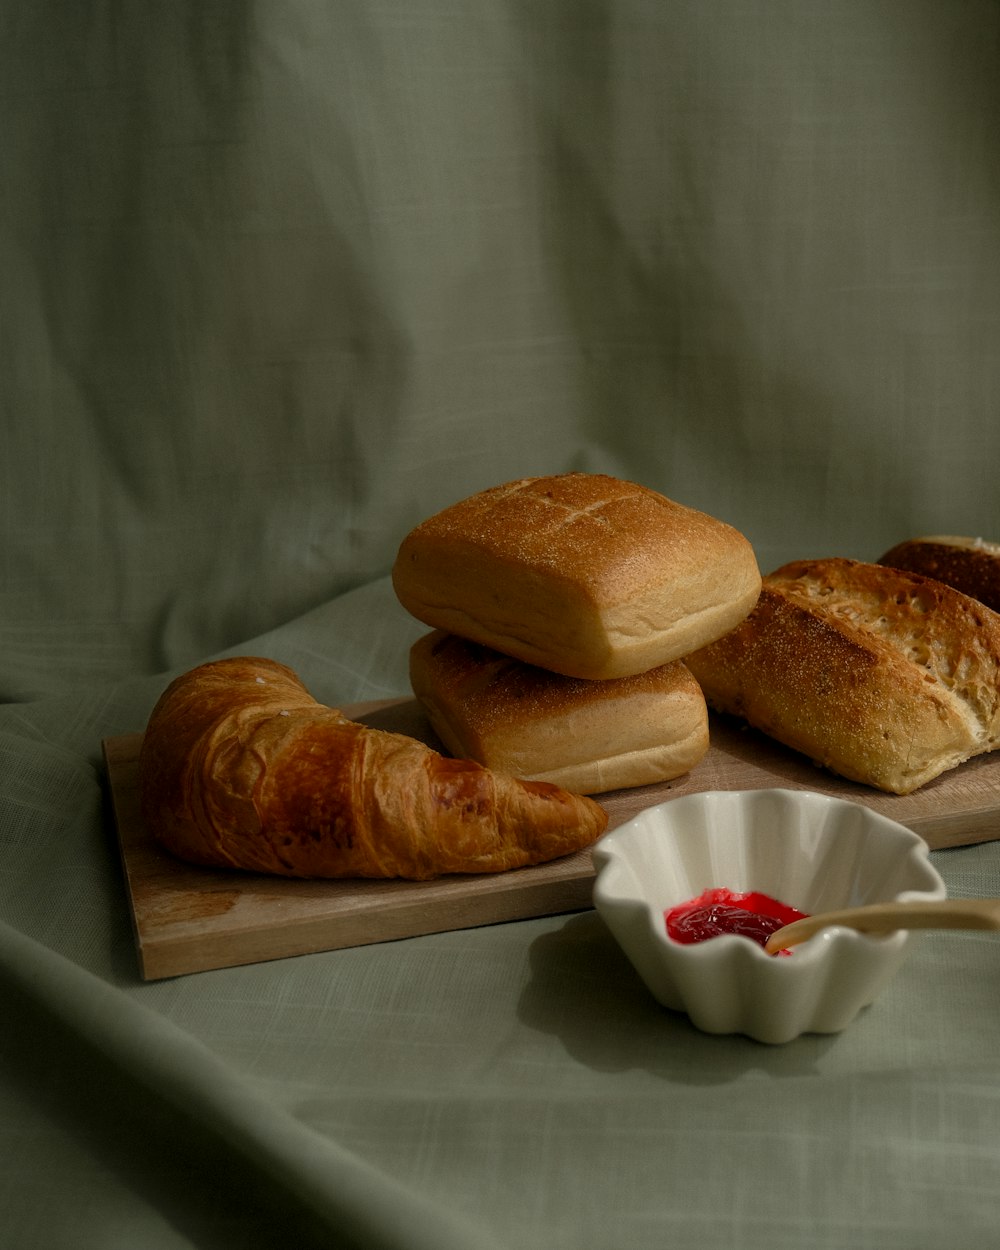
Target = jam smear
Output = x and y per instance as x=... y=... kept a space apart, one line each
x=719 y=911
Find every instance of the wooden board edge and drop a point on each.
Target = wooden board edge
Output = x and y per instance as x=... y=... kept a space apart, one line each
x=952 y=830
x=115 y=752
x=160 y=958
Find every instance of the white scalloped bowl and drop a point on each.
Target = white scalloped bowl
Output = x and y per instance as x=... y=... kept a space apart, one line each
x=808 y=850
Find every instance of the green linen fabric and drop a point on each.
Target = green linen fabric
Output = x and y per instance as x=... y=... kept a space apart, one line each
x=279 y=279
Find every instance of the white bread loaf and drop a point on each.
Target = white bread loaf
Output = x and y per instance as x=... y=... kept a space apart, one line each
x=883 y=676
x=970 y=565
x=580 y=574
x=586 y=736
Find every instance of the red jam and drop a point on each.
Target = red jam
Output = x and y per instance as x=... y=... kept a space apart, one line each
x=720 y=911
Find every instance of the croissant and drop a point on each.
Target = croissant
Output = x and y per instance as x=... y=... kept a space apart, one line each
x=240 y=767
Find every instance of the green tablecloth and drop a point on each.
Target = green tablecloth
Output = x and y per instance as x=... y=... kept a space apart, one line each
x=280 y=279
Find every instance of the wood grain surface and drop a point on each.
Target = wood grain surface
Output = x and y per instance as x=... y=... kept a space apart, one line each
x=188 y=919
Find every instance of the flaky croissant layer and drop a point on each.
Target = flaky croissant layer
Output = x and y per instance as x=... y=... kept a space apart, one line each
x=240 y=767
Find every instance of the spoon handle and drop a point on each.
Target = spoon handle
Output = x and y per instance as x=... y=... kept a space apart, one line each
x=946 y=913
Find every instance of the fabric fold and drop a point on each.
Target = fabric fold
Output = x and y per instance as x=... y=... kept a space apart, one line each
x=330 y=1187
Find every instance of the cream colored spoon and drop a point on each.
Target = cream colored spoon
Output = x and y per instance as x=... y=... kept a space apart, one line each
x=944 y=913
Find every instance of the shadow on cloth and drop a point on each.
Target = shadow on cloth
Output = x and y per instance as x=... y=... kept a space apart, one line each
x=584 y=990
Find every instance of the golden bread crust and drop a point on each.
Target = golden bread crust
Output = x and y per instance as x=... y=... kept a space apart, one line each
x=882 y=676
x=581 y=574
x=970 y=565
x=241 y=768
x=589 y=736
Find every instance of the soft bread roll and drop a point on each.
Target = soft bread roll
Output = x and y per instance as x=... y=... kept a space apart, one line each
x=580 y=574
x=970 y=565
x=241 y=768
x=882 y=676
x=589 y=736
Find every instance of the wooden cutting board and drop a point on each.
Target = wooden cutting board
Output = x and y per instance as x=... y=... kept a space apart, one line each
x=188 y=919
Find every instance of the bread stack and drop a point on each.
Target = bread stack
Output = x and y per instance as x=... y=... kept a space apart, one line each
x=582 y=625
x=562 y=609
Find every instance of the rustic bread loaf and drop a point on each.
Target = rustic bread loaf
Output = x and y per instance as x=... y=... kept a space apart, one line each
x=580 y=574
x=883 y=676
x=586 y=736
x=971 y=565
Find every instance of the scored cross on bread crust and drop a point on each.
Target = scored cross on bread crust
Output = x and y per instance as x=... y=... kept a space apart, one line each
x=580 y=574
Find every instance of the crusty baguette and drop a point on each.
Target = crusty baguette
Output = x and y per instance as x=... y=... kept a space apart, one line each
x=588 y=736
x=883 y=676
x=241 y=768
x=971 y=565
x=581 y=574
